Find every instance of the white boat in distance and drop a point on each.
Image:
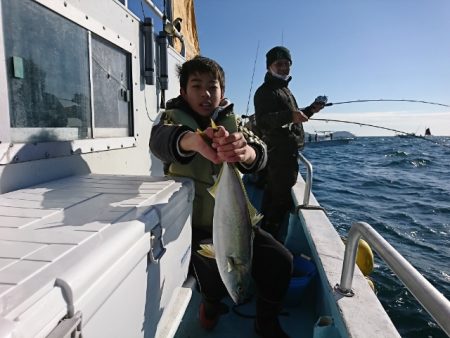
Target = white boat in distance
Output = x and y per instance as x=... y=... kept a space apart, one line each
x=328 y=138
x=94 y=241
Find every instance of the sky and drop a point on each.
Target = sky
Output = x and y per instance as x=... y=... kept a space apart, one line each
x=345 y=49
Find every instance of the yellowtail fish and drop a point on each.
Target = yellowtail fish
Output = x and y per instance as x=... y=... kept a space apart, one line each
x=233 y=232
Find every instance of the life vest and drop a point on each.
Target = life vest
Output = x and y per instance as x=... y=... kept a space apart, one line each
x=200 y=170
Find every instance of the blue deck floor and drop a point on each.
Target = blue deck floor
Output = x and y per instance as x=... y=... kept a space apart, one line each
x=298 y=321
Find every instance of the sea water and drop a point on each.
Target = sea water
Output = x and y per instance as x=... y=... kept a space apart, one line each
x=401 y=187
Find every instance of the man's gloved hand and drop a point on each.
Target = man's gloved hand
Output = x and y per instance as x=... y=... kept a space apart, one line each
x=319 y=103
x=321 y=99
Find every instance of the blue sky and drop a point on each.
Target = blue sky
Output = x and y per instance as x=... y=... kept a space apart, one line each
x=345 y=49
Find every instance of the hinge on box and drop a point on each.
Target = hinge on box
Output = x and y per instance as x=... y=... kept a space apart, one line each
x=157 y=247
x=68 y=328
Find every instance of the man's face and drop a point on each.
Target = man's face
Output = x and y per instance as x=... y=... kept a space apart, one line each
x=203 y=93
x=281 y=67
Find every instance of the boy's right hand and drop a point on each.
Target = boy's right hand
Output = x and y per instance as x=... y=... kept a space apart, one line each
x=192 y=141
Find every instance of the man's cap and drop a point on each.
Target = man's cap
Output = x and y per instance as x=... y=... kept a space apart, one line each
x=277 y=53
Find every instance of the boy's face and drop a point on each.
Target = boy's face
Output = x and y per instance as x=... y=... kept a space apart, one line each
x=203 y=93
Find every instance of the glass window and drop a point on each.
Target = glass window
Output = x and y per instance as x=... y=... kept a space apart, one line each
x=48 y=74
x=49 y=80
x=111 y=89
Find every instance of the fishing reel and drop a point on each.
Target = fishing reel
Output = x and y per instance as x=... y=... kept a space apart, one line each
x=322 y=99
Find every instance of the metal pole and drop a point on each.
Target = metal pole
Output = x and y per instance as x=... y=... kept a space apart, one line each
x=309 y=176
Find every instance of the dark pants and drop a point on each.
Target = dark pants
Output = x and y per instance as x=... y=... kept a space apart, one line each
x=281 y=176
x=271 y=268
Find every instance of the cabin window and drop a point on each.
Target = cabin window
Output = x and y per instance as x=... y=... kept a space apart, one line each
x=64 y=82
x=111 y=89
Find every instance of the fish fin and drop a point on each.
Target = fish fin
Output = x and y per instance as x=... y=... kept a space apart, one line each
x=214 y=125
x=209 y=247
x=230 y=264
x=206 y=254
x=235 y=263
x=255 y=216
x=212 y=190
x=229 y=267
x=203 y=135
x=207 y=250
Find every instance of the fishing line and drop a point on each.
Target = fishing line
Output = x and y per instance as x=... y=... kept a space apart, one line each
x=388 y=100
x=385 y=128
x=380 y=127
x=253 y=76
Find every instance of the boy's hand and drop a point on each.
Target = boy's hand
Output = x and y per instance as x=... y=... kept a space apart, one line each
x=232 y=147
x=194 y=142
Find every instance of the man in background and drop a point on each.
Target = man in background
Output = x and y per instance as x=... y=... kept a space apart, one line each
x=279 y=121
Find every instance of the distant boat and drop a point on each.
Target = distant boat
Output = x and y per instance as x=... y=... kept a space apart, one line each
x=427 y=132
x=328 y=138
x=407 y=135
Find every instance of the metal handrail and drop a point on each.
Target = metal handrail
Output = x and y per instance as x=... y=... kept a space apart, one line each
x=308 y=181
x=428 y=296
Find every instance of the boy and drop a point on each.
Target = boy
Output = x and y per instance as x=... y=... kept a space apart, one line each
x=187 y=153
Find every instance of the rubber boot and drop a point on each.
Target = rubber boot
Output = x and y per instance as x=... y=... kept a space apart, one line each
x=266 y=323
x=210 y=311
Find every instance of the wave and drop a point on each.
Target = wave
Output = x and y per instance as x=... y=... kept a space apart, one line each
x=408 y=162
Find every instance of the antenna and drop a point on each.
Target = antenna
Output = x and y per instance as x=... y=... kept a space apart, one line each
x=253 y=75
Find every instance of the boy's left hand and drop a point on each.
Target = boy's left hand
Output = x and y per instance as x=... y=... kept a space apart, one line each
x=232 y=147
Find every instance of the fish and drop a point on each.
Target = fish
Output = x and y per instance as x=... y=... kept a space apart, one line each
x=234 y=223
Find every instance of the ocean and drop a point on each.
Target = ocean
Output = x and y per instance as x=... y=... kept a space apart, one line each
x=401 y=187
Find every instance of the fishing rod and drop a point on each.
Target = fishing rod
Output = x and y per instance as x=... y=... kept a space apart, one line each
x=381 y=127
x=387 y=100
x=253 y=76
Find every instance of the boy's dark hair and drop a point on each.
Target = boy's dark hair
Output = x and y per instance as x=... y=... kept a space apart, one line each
x=200 y=64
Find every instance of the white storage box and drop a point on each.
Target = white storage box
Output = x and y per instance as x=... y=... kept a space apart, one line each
x=107 y=253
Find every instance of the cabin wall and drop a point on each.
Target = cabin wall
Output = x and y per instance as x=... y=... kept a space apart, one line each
x=25 y=164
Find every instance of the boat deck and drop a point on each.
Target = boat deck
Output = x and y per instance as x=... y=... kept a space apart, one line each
x=297 y=321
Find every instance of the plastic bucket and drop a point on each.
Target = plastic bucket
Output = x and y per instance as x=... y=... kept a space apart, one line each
x=304 y=272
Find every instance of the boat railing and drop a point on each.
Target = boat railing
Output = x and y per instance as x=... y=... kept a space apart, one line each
x=428 y=296
x=308 y=180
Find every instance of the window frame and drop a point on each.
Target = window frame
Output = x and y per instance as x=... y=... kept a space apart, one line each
x=52 y=149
